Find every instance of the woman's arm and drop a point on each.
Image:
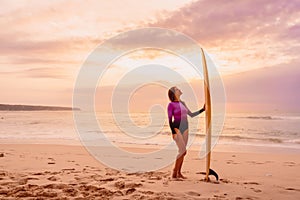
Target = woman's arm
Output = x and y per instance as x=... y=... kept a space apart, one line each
x=194 y=114
x=170 y=115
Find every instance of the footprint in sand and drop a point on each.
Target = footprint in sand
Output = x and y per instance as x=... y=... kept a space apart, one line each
x=70 y=191
x=111 y=172
x=52 y=178
x=133 y=185
x=4 y=192
x=56 y=186
x=120 y=185
x=67 y=171
x=23 y=181
x=147 y=192
x=251 y=183
x=154 y=178
x=3 y=173
x=48 y=194
x=23 y=194
x=38 y=173
x=220 y=196
x=166 y=182
x=246 y=197
x=231 y=162
x=192 y=193
x=106 y=179
x=290 y=164
x=210 y=181
x=176 y=179
x=256 y=190
x=292 y=189
x=225 y=180
x=22 y=156
x=130 y=191
x=151 y=182
x=256 y=163
x=51 y=161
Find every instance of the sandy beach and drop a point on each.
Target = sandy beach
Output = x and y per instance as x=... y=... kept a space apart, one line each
x=45 y=171
x=93 y=91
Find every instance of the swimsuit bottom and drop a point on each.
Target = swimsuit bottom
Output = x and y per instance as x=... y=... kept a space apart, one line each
x=181 y=125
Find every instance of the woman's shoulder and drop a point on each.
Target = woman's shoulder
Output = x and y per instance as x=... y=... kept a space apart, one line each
x=172 y=104
x=183 y=102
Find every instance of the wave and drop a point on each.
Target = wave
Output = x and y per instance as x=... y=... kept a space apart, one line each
x=252 y=139
x=242 y=138
x=263 y=117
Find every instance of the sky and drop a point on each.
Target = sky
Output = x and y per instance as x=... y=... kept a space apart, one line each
x=45 y=43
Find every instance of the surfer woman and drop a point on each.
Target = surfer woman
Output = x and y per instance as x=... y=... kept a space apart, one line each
x=178 y=110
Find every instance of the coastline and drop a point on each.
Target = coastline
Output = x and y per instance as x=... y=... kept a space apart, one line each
x=20 y=107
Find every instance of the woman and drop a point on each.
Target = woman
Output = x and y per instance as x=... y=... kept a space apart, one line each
x=178 y=110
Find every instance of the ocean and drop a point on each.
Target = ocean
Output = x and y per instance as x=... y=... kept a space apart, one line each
x=59 y=127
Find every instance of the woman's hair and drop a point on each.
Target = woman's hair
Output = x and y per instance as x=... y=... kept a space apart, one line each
x=171 y=93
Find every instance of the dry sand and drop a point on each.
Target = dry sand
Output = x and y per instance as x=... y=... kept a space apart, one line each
x=36 y=171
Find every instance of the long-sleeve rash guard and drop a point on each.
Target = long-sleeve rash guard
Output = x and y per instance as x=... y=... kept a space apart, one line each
x=179 y=111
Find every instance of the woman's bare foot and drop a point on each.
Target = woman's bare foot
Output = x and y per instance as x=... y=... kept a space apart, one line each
x=179 y=175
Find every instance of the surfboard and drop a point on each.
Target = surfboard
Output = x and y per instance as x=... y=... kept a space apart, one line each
x=208 y=109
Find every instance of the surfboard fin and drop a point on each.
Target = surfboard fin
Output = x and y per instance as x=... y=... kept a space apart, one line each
x=212 y=172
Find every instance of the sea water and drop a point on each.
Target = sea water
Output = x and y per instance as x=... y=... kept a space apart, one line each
x=59 y=127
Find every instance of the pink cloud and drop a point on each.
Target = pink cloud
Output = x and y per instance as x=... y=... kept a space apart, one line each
x=219 y=19
x=241 y=32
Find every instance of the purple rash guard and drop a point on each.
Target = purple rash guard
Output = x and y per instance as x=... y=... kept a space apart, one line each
x=179 y=111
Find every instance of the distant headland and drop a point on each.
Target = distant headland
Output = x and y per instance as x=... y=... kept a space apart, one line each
x=8 y=107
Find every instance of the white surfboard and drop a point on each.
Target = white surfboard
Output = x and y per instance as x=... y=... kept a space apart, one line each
x=207 y=120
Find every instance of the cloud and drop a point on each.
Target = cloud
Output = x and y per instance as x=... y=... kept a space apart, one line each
x=42 y=72
x=292 y=33
x=212 y=20
x=36 y=60
x=65 y=30
x=14 y=44
x=241 y=34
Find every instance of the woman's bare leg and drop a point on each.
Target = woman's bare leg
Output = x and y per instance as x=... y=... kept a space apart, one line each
x=177 y=166
x=178 y=138
x=185 y=139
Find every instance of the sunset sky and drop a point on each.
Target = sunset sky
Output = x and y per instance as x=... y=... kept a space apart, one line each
x=44 y=43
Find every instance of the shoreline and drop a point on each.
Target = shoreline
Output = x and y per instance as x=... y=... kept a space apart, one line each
x=219 y=147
